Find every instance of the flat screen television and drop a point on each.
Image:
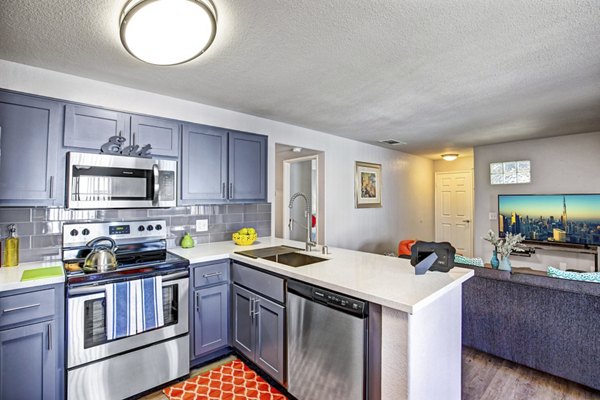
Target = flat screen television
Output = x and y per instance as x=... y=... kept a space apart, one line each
x=560 y=219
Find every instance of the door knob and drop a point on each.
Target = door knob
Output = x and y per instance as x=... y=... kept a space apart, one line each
x=466 y=220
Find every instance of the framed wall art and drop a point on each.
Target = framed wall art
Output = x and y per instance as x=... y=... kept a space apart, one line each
x=367 y=185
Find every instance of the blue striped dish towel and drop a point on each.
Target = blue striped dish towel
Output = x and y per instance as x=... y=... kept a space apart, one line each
x=150 y=307
x=121 y=303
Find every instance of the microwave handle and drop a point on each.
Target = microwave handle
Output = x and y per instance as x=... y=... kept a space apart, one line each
x=156 y=185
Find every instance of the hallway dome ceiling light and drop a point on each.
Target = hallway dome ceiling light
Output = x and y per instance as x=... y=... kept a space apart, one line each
x=450 y=157
x=168 y=32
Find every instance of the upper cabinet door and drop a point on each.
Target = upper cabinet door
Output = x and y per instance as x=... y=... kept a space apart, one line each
x=203 y=163
x=162 y=134
x=29 y=138
x=247 y=166
x=90 y=127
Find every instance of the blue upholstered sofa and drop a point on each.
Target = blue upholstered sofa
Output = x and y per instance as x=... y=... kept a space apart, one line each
x=550 y=324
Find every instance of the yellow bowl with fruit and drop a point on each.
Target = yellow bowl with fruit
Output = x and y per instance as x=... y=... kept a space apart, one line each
x=244 y=237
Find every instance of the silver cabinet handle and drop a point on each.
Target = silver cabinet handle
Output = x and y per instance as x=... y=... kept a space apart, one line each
x=254 y=312
x=52 y=187
x=212 y=274
x=223 y=191
x=251 y=308
x=49 y=337
x=198 y=301
x=7 y=310
x=231 y=190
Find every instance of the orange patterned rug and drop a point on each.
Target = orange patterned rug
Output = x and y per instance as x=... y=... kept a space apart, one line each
x=231 y=381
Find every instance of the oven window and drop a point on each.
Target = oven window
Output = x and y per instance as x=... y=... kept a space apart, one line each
x=95 y=316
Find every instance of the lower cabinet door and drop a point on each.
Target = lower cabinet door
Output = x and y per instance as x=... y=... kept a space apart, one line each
x=28 y=362
x=242 y=321
x=270 y=341
x=210 y=319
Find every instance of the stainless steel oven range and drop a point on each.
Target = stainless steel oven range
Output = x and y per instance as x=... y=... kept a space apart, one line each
x=101 y=367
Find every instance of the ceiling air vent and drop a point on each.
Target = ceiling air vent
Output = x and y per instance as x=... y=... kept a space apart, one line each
x=392 y=142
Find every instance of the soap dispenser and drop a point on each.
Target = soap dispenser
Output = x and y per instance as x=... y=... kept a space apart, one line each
x=11 y=247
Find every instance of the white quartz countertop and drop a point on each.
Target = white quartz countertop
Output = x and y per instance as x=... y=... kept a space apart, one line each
x=10 y=277
x=384 y=280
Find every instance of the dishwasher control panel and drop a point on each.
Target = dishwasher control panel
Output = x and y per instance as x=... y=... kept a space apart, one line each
x=346 y=304
x=339 y=301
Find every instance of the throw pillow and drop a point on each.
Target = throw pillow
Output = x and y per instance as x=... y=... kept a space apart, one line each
x=477 y=262
x=576 y=276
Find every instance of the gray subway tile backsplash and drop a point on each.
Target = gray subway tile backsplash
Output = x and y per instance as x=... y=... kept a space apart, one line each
x=40 y=228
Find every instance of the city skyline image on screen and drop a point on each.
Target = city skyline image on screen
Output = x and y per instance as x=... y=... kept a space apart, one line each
x=561 y=218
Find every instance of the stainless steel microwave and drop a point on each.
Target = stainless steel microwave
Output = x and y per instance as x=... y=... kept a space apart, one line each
x=109 y=181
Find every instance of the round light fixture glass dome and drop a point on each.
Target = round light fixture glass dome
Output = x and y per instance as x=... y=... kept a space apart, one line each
x=450 y=156
x=168 y=32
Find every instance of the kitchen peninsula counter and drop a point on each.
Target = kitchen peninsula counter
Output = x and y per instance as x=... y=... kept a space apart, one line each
x=420 y=317
x=388 y=281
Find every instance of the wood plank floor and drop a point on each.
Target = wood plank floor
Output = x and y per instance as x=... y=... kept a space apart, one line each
x=485 y=377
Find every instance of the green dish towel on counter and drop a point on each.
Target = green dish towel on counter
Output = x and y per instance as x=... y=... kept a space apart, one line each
x=41 y=273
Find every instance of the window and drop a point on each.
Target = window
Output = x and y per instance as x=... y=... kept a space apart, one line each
x=510 y=172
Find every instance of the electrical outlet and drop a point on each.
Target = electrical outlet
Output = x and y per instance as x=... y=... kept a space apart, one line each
x=493 y=216
x=201 y=225
x=562 y=265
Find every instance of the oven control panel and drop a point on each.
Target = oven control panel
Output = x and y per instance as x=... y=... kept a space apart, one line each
x=80 y=233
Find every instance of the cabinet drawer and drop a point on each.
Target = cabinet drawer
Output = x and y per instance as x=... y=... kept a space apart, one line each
x=261 y=282
x=209 y=274
x=26 y=306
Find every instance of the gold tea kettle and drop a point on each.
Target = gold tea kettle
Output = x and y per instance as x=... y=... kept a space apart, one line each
x=102 y=258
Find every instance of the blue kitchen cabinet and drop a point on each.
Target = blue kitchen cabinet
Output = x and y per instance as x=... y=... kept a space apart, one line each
x=220 y=165
x=161 y=133
x=258 y=318
x=247 y=166
x=90 y=127
x=203 y=163
x=28 y=362
x=31 y=343
x=30 y=129
x=209 y=310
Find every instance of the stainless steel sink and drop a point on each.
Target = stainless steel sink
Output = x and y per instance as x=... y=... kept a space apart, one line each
x=294 y=259
x=282 y=254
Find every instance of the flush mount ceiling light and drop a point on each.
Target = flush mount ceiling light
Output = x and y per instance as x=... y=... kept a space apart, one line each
x=168 y=32
x=449 y=157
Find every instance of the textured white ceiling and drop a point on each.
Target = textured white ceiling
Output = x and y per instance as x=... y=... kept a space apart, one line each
x=441 y=75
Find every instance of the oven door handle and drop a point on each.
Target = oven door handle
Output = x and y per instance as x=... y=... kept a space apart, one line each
x=156 y=186
x=93 y=289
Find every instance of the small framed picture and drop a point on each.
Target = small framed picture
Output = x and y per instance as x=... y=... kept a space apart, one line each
x=367 y=185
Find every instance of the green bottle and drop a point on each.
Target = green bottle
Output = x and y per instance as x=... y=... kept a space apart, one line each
x=11 y=247
x=187 y=242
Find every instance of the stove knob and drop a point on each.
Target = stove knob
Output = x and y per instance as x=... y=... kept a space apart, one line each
x=85 y=232
x=158 y=227
x=141 y=228
x=74 y=232
x=150 y=227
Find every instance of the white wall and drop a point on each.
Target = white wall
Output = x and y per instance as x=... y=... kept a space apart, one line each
x=564 y=164
x=407 y=180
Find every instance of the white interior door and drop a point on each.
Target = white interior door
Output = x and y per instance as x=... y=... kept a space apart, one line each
x=454 y=210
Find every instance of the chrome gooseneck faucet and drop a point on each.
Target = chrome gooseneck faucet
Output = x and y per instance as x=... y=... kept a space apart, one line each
x=309 y=242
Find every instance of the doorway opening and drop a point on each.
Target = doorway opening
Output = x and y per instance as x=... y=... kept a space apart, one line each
x=299 y=170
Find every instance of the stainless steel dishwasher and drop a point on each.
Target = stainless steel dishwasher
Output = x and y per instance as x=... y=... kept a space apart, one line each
x=327 y=344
